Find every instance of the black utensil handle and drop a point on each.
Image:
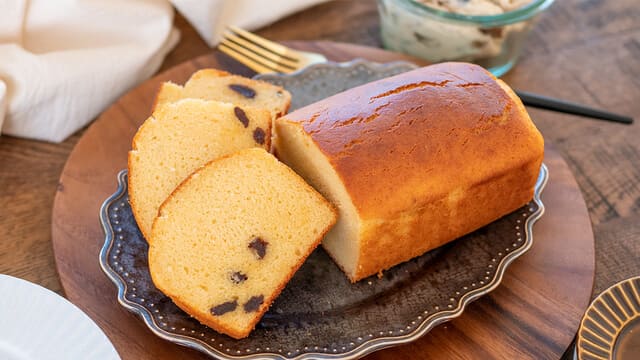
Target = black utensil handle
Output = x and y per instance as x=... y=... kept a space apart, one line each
x=549 y=103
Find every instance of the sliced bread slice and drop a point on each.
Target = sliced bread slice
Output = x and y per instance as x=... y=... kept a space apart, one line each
x=212 y=84
x=229 y=238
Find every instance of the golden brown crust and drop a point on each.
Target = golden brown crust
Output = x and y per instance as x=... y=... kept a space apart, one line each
x=403 y=145
x=400 y=124
x=483 y=202
x=428 y=229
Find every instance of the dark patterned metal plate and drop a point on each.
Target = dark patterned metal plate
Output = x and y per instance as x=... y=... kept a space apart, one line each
x=320 y=314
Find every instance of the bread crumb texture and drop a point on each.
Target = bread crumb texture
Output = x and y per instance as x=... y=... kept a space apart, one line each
x=230 y=237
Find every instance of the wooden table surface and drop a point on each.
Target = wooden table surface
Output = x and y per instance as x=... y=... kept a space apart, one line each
x=585 y=51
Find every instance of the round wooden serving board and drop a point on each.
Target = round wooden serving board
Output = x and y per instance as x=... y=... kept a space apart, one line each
x=534 y=313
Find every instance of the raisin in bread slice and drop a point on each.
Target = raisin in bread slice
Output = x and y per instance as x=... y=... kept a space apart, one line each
x=229 y=238
x=180 y=137
x=212 y=84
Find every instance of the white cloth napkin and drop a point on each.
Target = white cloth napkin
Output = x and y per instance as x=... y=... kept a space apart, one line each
x=63 y=62
x=209 y=17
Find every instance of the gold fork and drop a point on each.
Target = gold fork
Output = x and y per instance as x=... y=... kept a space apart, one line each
x=262 y=55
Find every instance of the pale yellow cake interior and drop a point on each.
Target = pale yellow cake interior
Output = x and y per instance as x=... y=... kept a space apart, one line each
x=204 y=229
x=295 y=148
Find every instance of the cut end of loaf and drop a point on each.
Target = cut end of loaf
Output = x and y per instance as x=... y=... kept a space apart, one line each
x=299 y=152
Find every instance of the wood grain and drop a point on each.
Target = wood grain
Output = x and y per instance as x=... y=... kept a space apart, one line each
x=527 y=317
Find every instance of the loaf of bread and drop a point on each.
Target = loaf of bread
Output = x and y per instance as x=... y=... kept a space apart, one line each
x=180 y=137
x=212 y=84
x=413 y=161
x=229 y=238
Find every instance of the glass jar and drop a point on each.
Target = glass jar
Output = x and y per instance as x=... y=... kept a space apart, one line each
x=492 y=41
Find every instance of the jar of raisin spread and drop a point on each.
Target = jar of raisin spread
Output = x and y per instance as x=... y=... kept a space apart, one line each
x=490 y=33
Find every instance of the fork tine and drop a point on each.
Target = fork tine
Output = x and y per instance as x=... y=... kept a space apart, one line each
x=257 y=67
x=260 y=51
x=264 y=43
x=272 y=65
